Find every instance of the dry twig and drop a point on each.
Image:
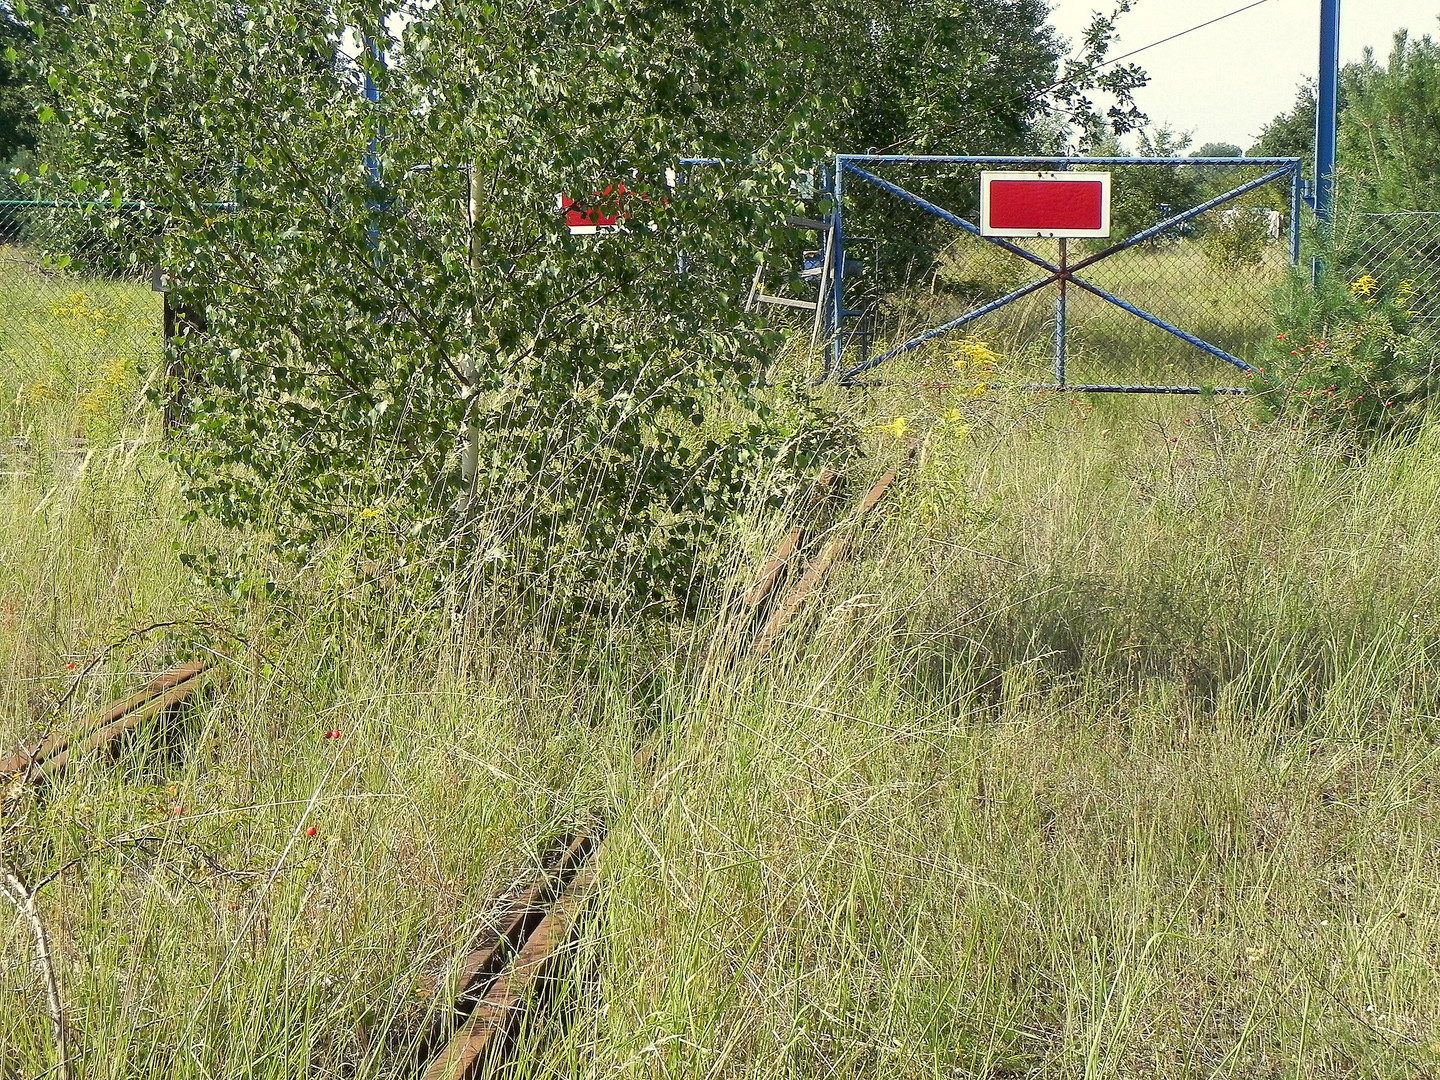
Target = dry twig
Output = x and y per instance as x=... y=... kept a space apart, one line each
x=24 y=901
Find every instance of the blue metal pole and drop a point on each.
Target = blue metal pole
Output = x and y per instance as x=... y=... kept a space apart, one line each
x=1061 y=310
x=1061 y=320
x=1327 y=110
x=372 y=150
x=1153 y=320
x=372 y=95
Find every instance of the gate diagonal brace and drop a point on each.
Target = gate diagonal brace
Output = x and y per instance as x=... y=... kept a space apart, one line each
x=1056 y=273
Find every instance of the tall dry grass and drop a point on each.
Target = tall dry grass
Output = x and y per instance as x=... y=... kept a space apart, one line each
x=1109 y=753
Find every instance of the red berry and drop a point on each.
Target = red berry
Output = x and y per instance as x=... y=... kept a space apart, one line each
x=310 y=831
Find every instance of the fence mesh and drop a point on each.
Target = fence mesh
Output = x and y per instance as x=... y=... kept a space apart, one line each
x=1397 y=247
x=80 y=327
x=1213 y=276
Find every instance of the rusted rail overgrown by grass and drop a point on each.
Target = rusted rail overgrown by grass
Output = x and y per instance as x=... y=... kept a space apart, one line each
x=53 y=754
x=46 y=760
x=501 y=981
x=834 y=548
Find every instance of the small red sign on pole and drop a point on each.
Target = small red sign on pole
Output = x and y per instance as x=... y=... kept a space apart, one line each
x=1045 y=204
x=588 y=220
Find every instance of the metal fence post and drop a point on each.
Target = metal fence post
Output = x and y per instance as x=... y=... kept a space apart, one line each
x=1326 y=110
x=1061 y=327
x=372 y=149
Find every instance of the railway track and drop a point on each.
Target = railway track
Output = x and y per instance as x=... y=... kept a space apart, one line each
x=773 y=611
x=508 y=975
x=55 y=753
x=503 y=981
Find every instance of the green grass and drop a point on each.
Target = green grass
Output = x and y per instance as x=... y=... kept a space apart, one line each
x=1224 y=306
x=1111 y=752
x=72 y=348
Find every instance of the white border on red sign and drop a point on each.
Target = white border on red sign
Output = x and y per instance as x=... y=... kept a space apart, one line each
x=986 y=178
x=585 y=230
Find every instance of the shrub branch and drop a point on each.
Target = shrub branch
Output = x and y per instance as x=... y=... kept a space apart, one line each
x=24 y=900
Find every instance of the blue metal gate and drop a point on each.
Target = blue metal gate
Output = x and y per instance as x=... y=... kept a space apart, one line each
x=845 y=336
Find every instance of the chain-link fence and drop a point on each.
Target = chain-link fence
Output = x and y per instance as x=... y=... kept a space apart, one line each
x=1396 y=247
x=80 y=326
x=1212 y=275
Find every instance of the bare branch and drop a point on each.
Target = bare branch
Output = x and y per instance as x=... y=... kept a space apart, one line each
x=24 y=901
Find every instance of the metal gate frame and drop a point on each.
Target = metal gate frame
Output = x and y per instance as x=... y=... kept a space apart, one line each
x=1061 y=275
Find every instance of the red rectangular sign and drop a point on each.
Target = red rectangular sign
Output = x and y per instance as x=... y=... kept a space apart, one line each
x=1045 y=204
x=589 y=219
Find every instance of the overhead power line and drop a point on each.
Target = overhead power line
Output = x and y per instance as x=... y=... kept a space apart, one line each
x=1115 y=60
x=1182 y=33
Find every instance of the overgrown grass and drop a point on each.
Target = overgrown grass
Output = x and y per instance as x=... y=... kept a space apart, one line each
x=1110 y=753
x=72 y=350
x=1225 y=306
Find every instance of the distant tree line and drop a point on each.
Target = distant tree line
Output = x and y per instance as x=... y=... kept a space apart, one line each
x=1389 y=139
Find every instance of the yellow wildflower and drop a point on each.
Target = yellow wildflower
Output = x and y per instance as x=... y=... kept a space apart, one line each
x=370 y=513
x=974 y=351
x=895 y=428
x=1364 y=286
x=954 y=422
x=980 y=388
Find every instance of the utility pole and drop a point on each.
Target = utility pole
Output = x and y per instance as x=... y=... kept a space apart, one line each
x=1327 y=111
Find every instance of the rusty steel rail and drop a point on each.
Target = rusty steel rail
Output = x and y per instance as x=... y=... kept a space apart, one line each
x=774 y=567
x=499 y=980
x=789 y=544
x=819 y=566
x=54 y=753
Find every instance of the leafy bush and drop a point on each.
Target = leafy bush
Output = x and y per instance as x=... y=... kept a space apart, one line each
x=1349 y=356
x=426 y=367
x=1239 y=240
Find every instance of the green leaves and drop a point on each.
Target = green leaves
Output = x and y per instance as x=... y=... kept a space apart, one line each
x=1389 y=141
x=439 y=346
x=1349 y=356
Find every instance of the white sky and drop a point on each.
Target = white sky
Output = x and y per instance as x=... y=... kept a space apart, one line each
x=1226 y=81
